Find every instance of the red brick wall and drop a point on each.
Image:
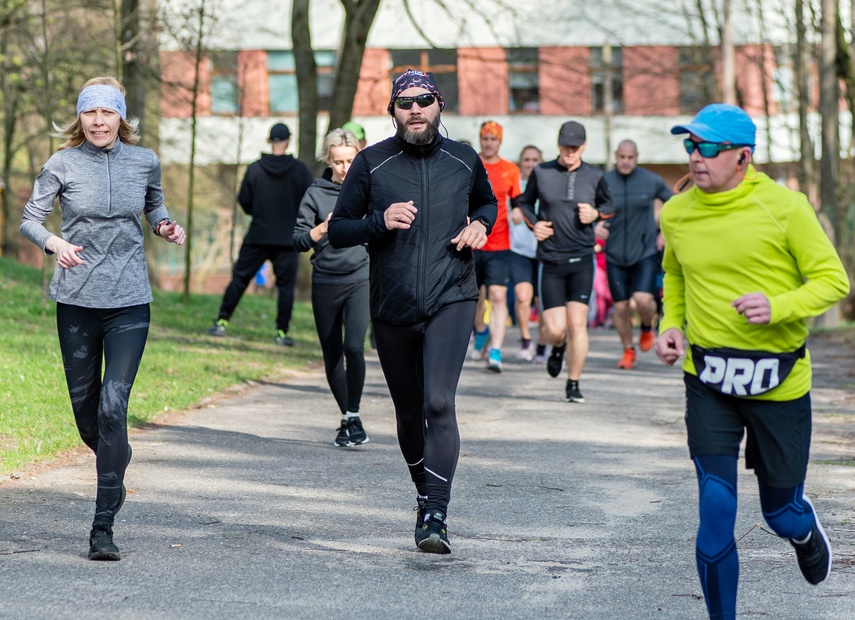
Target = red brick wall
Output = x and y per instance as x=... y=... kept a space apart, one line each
x=482 y=79
x=651 y=81
x=252 y=76
x=375 y=84
x=565 y=82
x=178 y=69
x=749 y=64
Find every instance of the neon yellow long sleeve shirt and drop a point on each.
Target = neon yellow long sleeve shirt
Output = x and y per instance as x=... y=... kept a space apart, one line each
x=759 y=237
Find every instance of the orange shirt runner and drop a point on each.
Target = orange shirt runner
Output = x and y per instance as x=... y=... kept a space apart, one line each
x=505 y=179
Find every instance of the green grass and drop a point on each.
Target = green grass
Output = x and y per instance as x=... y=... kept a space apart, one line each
x=181 y=365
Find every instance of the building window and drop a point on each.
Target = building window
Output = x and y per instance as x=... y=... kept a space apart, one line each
x=784 y=81
x=225 y=92
x=442 y=63
x=282 y=80
x=523 y=83
x=599 y=67
x=697 y=79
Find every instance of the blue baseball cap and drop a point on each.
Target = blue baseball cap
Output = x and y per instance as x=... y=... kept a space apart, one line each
x=721 y=122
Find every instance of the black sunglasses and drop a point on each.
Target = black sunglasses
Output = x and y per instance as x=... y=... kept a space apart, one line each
x=424 y=101
x=710 y=149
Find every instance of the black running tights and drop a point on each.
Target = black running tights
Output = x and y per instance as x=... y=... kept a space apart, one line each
x=86 y=337
x=422 y=365
x=337 y=307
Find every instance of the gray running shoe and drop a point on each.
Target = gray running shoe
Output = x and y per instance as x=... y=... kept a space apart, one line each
x=218 y=329
x=282 y=339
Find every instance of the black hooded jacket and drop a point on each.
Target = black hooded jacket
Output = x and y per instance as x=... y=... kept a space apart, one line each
x=271 y=192
x=414 y=272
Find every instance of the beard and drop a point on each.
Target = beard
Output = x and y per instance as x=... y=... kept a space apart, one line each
x=419 y=137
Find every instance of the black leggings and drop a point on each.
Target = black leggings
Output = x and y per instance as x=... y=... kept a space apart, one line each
x=86 y=336
x=337 y=307
x=422 y=365
x=250 y=259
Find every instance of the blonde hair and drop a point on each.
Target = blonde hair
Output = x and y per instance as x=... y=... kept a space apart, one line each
x=338 y=137
x=72 y=133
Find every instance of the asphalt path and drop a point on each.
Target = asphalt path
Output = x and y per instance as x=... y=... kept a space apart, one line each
x=244 y=509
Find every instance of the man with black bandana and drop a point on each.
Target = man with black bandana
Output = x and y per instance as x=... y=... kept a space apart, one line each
x=573 y=195
x=422 y=203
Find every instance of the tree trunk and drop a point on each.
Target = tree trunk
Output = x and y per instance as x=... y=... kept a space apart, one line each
x=359 y=16
x=608 y=85
x=829 y=107
x=191 y=180
x=805 y=173
x=829 y=102
x=771 y=168
x=307 y=81
x=728 y=74
x=132 y=72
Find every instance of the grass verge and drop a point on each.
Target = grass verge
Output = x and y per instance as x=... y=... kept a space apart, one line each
x=182 y=364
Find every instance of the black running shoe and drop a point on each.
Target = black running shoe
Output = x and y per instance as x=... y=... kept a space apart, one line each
x=356 y=432
x=342 y=439
x=573 y=395
x=101 y=546
x=433 y=536
x=555 y=361
x=421 y=506
x=814 y=555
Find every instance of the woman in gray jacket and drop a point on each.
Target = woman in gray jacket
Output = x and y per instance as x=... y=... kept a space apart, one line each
x=339 y=287
x=100 y=283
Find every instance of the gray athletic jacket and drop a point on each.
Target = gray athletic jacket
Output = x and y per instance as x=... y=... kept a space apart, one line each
x=102 y=194
x=329 y=265
x=632 y=230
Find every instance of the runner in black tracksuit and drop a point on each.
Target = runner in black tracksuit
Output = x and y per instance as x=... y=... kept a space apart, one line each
x=422 y=203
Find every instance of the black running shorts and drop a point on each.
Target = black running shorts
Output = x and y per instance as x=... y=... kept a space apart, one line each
x=566 y=282
x=493 y=268
x=778 y=432
x=523 y=269
x=637 y=278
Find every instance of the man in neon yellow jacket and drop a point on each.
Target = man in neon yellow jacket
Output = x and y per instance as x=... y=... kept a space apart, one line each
x=746 y=263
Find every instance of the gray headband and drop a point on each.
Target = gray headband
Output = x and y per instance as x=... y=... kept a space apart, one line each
x=102 y=96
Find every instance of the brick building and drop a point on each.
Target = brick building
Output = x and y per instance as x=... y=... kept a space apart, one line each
x=529 y=68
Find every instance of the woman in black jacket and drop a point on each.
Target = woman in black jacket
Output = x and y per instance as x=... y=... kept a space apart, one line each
x=339 y=287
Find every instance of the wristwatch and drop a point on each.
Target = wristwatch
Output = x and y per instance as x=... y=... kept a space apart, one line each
x=483 y=221
x=156 y=228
